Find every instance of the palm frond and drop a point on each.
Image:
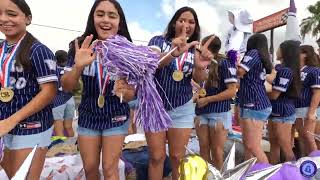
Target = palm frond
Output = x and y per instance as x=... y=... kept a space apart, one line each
x=311 y=24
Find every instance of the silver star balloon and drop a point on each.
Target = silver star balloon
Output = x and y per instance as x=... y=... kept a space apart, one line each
x=214 y=174
x=229 y=162
x=237 y=172
x=263 y=174
x=24 y=168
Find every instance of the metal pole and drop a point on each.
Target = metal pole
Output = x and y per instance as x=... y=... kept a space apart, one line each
x=271 y=50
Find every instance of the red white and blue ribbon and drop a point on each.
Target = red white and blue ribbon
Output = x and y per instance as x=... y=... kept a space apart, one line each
x=6 y=61
x=103 y=77
x=180 y=61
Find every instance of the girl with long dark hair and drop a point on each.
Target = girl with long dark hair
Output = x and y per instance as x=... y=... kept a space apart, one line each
x=285 y=90
x=103 y=119
x=28 y=85
x=254 y=103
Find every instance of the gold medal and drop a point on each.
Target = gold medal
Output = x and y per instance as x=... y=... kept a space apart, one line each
x=177 y=75
x=6 y=95
x=101 y=101
x=202 y=92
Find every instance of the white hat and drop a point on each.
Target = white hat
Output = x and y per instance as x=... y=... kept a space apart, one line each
x=242 y=20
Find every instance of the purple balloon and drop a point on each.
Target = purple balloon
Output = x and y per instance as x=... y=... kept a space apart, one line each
x=288 y=171
x=259 y=166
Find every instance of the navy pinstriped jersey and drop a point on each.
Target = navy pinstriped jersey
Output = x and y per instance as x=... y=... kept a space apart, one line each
x=26 y=85
x=283 y=106
x=252 y=92
x=228 y=74
x=310 y=77
x=178 y=93
x=61 y=97
x=113 y=114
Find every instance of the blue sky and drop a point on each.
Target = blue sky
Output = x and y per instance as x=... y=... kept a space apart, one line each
x=148 y=15
x=147 y=18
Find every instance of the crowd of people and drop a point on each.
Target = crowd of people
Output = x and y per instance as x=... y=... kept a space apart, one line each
x=196 y=83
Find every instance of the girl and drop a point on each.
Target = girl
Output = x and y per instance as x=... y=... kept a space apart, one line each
x=307 y=104
x=285 y=89
x=28 y=85
x=213 y=110
x=63 y=103
x=103 y=119
x=174 y=86
x=254 y=103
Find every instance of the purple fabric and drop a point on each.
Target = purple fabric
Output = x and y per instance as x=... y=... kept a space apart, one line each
x=1 y=148
x=292 y=7
x=137 y=64
x=232 y=56
x=315 y=153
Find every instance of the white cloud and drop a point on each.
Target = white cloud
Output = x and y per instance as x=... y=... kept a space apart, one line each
x=167 y=8
x=72 y=14
x=138 y=33
x=213 y=16
x=59 y=13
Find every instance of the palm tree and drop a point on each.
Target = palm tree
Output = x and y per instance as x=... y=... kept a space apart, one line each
x=311 y=23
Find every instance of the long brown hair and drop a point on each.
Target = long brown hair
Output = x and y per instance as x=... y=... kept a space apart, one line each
x=311 y=58
x=214 y=48
x=290 y=54
x=23 y=53
x=90 y=28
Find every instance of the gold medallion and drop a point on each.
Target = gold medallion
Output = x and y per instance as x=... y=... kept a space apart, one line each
x=101 y=101
x=202 y=92
x=6 y=95
x=177 y=75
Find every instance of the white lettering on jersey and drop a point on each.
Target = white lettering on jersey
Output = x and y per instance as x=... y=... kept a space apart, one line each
x=51 y=64
x=90 y=70
x=21 y=83
x=246 y=59
x=233 y=71
x=284 y=81
x=303 y=76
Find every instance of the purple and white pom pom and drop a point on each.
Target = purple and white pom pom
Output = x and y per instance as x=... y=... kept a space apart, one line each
x=138 y=65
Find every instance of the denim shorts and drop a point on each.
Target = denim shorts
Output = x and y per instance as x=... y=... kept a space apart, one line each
x=302 y=112
x=15 y=142
x=183 y=116
x=64 y=111
x=213 y=118
x=121 y=130
x=133 y=104
x=261 y=115
x=290 y=119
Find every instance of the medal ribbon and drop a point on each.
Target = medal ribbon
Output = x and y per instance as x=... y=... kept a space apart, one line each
x=6 y=62
x=103 y=77
x=180 y=60
x=203 y=84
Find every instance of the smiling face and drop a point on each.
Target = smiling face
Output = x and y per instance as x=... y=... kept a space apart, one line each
x=106 y=20
x=188 y=20
x=13 y=21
